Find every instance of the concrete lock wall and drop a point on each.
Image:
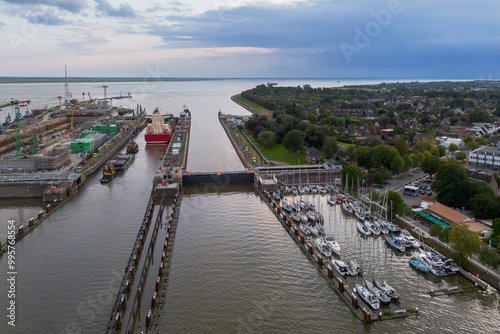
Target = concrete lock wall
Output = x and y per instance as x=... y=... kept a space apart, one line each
x=201 y=179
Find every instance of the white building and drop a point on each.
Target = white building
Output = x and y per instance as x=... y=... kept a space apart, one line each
x=486 y=156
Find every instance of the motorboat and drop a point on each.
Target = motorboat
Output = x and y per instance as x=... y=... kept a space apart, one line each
x=300 y=189
x=294 y=190
x=276 y=196
x=368 y=297
x=416 y=263
x=340 y=266
x=381 y=296
x=333 y=244
x=320 y=228
x=313 y=188
x=323 y=247
x=387 y=289
x=408 y=237
x=354 y=268
x=434 y=258
x=321 y=189
x=435 y=269
x=362 y=228
x=450 y=265
x=288 y=189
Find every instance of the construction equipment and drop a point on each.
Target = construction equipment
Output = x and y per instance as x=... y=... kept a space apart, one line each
x=105 y=99
x=60 y=101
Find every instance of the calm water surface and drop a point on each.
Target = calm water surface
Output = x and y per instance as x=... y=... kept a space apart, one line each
x=234 y=269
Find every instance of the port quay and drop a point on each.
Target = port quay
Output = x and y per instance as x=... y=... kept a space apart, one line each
x=145 y=281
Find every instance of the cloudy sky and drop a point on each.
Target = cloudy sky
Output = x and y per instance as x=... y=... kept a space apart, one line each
x=444 y=39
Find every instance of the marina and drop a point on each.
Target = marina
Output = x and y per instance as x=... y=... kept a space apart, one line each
x=244 y=242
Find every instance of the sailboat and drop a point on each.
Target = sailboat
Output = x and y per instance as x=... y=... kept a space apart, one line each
x=381 y=296
x=330 y=240
x=368 y=297
x=362 y=228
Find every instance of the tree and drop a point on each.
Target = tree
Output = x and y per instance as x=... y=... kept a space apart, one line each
x=400 y=145
x=415 y=159
x=441 y=150
x=408 y=162
x=464 y=243
x=294 y=140
x=452 y=147
x=472 y=145
x=375 y=196
x=266 y=138
x=434 y=151
x=451 y=184
x=430 y=164
x=381 y=176
x=488 y=257
x=398 y=205
x=330 y=147
x=435 y=230
x=397 y=165
x=384 y=154
x=461 y=156
x=354 y=175
x=444 y=235
x=496 y=226
x=422 y=145
x=481 y=141
x=483 y=205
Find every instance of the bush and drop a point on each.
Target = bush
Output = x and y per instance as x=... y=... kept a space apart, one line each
x=435 y=230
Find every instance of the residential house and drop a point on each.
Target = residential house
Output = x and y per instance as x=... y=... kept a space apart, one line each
x=313 y=155
x=489 y=179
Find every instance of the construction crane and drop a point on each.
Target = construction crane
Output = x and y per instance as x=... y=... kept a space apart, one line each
x=60 y=101
x=17 y=122
x=105 y=99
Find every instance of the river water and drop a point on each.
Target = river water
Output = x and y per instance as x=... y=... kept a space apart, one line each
x=234 y=268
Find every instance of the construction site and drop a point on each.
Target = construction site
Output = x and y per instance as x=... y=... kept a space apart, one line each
x=49 y=152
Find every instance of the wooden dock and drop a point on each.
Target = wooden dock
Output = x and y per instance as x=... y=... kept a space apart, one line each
x=332 y=278
x=453 y=290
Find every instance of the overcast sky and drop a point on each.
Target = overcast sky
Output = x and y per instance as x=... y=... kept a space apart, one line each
x=444 y=39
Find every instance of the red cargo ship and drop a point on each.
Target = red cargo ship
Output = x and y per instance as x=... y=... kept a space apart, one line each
x=161 y=128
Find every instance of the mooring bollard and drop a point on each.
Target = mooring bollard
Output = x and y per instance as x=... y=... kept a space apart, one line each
x=354 y=300
x=160 y=269
x=31 y=222
x=301 y=238
x=148 y=319
x=330 y=271
x=21 y=229
x=288 y=222
x=127 y=286
x=341 y=285
x=320 y=261
x=118 y=321
x=54 y=203
x=40 y=214
x=47 y=209
x=153 y=300
x=123 y=302
x=157 y=284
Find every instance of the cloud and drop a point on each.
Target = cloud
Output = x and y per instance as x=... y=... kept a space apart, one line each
x=124 y=10
x=73 y=6
x=47 y=18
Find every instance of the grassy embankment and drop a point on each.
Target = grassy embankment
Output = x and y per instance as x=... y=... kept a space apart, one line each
x=257 y=107
x=277 y=152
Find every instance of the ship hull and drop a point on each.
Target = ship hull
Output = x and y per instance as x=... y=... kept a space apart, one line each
x=157 y=138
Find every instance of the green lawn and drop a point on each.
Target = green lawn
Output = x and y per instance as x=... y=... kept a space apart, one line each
x=277 y=152
x=345 y=144
x=257 y=107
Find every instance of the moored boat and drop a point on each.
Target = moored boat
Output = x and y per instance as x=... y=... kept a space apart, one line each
x=160 y=130
x=381 y=296
x=416 y=263
x=367 y=297
x=132 y=147
x=323 y=247
x=387 y=289
x=108 y=173
x=395 y=243
x=340 y=266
